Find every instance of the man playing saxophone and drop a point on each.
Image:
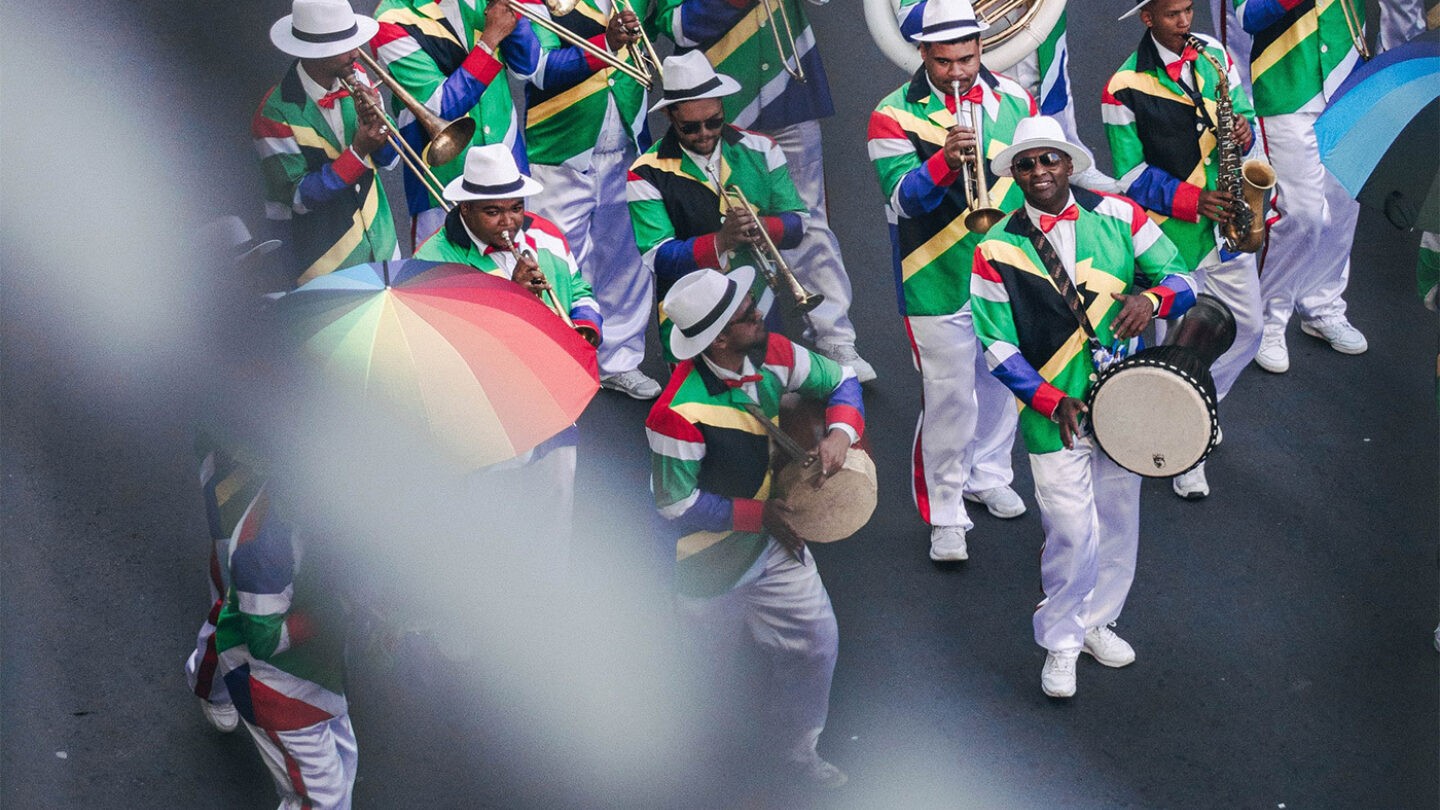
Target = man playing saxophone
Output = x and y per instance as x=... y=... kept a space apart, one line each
x=1178 y=121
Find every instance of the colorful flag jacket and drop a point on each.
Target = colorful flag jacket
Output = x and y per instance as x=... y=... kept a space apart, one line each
x=453 y=75
x=925 y=203
x=1302 y=52
x=567 y=96
x=280 y=636
x=710 y=458
x=676 y=211
x=339 y=214
x=452 y=243
x=1032 y=342
x=1150 y=121
x=737 y=39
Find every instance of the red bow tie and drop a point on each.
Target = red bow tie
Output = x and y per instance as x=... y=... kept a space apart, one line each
x=975 y=96
x=1047 y=222
x=748 y=378
x=328 y=100
x=1174 y=68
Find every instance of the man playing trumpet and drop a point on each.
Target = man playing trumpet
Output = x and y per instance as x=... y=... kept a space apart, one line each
x=921 y=140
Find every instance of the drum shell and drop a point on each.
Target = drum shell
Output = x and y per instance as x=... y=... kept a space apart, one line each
x=839 y=508
x=1129 y=432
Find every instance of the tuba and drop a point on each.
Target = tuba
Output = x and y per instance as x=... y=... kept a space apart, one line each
x=1017 y=29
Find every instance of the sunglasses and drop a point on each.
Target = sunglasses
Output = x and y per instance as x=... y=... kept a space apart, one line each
x=746 y=311
x=693 y=127
x=1027 y=164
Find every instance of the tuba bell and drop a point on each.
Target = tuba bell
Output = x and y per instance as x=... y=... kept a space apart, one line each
x=1017 y=28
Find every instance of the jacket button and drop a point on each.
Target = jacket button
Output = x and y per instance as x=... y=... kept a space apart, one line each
x=764 y=65
x=1094 y=377
x=1324 y=48
x=487 y=130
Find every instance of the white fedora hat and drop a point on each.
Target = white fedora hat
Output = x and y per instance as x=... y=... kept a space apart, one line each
x=1139 y=4
x=689 y=76
x=227 y=234
x=948 y=20
x=1038 y=132
x=491 y=174
x=316 y=29
x=701 y=304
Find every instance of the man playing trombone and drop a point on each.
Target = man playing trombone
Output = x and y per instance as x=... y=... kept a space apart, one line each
x=922 y=141
x=584 y=125
x=319 y=149
x=451 y=55
x=682 y=221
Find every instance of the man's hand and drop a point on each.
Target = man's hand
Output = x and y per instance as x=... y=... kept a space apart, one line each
x=1243 y=135
x=1217 y=205
x=832 y=451
x=529 y=275
x=1135 y=314
x=959 y=145
x=776 y=520
x=500 y=22
x=739 y=228
x=371 y=131
x=623 y=29
x=1067 y=413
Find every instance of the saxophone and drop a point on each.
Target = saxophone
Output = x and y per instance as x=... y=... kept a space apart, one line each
x=1245 y=180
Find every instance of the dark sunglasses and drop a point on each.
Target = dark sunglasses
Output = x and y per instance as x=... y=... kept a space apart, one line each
x=746 y=312
x=1027 y=164
x=693 y=127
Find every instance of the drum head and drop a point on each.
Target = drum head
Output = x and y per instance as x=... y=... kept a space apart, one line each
x=839 y=508
x=1152 y=420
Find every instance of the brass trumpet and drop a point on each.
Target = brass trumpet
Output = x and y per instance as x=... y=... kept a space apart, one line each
x=772 y=265
x=643 y=75
x=548 y=294
x=983 y=215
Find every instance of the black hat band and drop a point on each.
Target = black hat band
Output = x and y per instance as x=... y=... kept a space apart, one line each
x=333 y=36
x=713 y=315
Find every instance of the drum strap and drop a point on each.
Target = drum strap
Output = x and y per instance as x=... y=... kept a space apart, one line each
x=1051 y=260
x=787 y=445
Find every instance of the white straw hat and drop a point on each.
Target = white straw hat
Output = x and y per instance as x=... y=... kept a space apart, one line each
x=1038 y=132
x=1139 y=4
x=316 y=29
x=491 y=174
x=701 y=304
x=690 y=76
x=948 y=20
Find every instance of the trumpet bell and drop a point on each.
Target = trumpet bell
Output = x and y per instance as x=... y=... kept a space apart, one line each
x=981 y=220
x=450 y=142
x=809 y=302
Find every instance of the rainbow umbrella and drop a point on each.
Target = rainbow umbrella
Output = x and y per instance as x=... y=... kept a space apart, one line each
x=1378 y=134
x=473 y=360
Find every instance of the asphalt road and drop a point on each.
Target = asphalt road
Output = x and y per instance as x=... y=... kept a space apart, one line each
x=1282 y=625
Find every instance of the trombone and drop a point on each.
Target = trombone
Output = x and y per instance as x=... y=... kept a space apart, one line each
x=548 y=294
x=649 y=61
x=798 y=71
x=643 y=75
x=1357 y=28
x=983 y=215
x=772 y=264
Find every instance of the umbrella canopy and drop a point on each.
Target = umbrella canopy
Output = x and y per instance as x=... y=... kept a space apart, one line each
x=1379 y=133
x=473 y=360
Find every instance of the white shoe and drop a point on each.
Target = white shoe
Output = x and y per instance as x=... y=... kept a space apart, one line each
x=1191 y=485
x=947 y=544
x=1108 y=648
x=1338 y=332
x=1273 y=356
x=223 y=716
x=845 y=355
x=1057 y=677
x=821 y=774
x=1002 y=502
x=633 y=383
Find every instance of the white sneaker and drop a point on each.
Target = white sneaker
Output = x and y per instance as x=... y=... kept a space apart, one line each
x=1057 y=677
x=1002 y=502
x=845 y=355
x=821 y=774
x=1273 y=356
x=1108 y=648
x=223 y=716
x=947 y=544
x=633 y=383
x=1338 y=332
x=1191 y=485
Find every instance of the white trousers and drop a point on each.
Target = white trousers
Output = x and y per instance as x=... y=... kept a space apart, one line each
x=1235 y=283
x=313 y=767
x=967 y=419
x=1307 y=265
x=590 y=208
x=816 y=261
x=1400 y=22
x=786 y=611
x=1090 y=507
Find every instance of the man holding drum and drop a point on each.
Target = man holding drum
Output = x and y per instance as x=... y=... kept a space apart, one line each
x=741 y=565
x=1056 y=285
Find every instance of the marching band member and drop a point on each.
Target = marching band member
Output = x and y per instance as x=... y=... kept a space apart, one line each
x=1302 y=51
x=1069 y=254
x=741 y=566
x=584 y=126
x=319 y=150
x=451 y=55
x=1160 y=117
x=681 y=222
x=967 y=419
x=771 y=99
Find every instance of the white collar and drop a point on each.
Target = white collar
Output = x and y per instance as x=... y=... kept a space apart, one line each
x=1166 y=55
x=703 y=162
x=746 y=368
x=312 y=87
